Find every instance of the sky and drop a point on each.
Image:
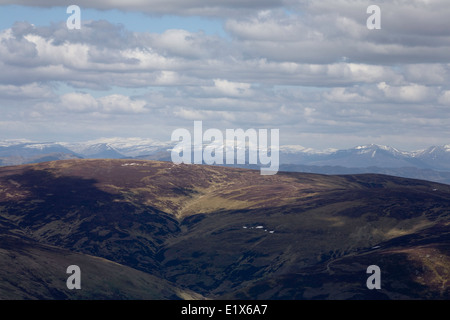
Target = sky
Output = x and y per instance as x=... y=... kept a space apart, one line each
x=312 y=69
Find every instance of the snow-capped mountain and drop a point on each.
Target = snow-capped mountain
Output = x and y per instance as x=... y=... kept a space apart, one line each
x=437 y=157
x=432 y=164
x=94 y=150
x=12 y=142
x=117 y=147
x=363 y=156
x=30 y=149
x=15 y=152
x=371 y=155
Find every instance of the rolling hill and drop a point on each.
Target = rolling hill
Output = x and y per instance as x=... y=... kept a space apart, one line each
x=196 y=231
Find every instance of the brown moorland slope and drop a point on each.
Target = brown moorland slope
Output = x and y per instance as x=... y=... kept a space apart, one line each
x=216 y=232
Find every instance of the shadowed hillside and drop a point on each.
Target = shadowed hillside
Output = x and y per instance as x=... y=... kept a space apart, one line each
x=219 y=232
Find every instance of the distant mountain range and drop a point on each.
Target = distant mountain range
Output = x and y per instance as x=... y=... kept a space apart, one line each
x=16 y=152
x=372 y=155
x=431 y=164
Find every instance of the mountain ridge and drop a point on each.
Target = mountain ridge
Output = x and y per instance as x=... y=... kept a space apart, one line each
x=431 y=164
x=135 y=147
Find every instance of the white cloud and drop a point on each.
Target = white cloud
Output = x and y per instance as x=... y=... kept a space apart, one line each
x=414 y=93
x=344 y=95
x=71 y=55
x=194 y=115
x=432 y=74
x=79 y=102
x=445 y=98
x=26 y=92
x=117 y=103
x=86 y=103
x=233 y=89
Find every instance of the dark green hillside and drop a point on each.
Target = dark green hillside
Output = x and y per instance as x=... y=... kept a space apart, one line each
x=31 y=270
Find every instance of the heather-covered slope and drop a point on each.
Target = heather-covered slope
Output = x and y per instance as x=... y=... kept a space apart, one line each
x=225 y=232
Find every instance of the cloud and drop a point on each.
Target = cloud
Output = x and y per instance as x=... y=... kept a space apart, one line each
x=86 y=103
x=228 y=88
x=344 y=95
x=445 y=98
x=178 y=7
x=185 y=44
x=310 y=68
x=79 y=102
x=410 y=93
x=430 y=73
x=32 y=91
x=330 y=31
x=192 y=114
x=117 y=103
